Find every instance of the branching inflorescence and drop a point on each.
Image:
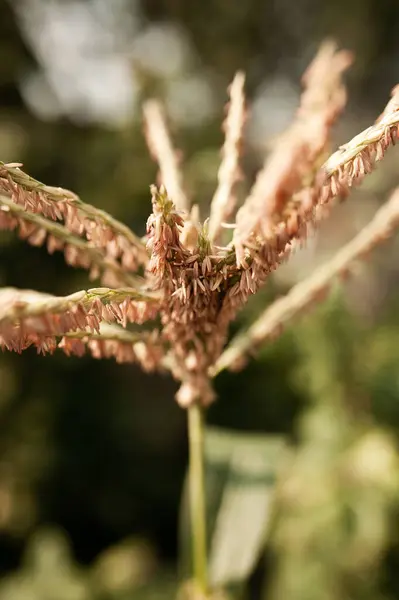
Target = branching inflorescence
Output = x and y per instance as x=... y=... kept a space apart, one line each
x=192 y=285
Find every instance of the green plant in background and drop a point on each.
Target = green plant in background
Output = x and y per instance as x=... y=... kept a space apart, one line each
x=337 y=498
x=190 y=279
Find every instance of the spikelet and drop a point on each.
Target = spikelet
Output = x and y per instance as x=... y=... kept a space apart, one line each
x=161 y=150
x=223 y=202
x=38 y=230
x=296 y=153
x=28 y=317
x=313 y=289
x=82 y=219
x=144 y=348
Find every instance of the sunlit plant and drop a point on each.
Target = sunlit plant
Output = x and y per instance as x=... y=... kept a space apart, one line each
x=191 y=276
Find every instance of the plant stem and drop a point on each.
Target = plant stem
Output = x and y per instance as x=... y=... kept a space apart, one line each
x=197 y=496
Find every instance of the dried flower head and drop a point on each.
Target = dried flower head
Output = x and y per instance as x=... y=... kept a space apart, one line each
x=192 y=285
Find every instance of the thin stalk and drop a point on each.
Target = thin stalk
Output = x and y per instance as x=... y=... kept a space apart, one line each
x=197 y=496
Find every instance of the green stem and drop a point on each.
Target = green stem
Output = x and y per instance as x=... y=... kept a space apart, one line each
x=197 y=497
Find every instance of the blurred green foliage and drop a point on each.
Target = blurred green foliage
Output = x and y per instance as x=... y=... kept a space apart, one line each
x=92 y=454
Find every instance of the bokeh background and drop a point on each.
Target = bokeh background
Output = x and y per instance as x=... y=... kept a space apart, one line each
x=93 y=454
